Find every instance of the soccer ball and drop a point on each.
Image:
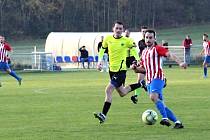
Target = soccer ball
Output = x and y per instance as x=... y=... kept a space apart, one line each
x=149 y=117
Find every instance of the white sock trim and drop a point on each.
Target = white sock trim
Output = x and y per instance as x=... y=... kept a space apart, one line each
x=178 y=122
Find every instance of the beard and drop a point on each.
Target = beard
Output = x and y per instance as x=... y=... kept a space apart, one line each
x=149 y=44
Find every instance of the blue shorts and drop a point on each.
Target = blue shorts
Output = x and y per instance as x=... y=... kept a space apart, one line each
x=156 y=86
x=117 y=78
x=207 y=59
x=4 y=66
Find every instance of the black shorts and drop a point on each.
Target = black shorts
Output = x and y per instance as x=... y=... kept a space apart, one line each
x=117 y=78
x=129 y=61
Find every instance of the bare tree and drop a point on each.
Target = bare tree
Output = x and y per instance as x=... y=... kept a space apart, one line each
x=1 y=15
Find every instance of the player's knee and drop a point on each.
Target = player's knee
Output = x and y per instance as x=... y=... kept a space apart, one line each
x=8 y=71
x=123 y=91
x=108 y=94
x=108 y=97
x=154 y=97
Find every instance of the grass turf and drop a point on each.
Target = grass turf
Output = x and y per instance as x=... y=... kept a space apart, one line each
x=55 y=106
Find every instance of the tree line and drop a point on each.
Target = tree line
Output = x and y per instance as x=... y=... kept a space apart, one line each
x=39 y=17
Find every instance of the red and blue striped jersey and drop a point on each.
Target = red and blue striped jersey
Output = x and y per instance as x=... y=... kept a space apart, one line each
x=151 y=60
x=4 y=47
x=206 y=47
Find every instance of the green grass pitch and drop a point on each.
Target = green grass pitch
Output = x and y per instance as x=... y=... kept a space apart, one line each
x=60 y=106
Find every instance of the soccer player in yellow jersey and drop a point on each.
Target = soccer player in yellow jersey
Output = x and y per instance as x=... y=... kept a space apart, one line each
x=117 y=49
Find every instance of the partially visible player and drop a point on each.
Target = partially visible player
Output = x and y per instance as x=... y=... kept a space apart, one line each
x=151 y=62
x=105 y=57
x=4 y=48
x=140 y=77
x=117 y=49
x=141 y=43
x=206 y=52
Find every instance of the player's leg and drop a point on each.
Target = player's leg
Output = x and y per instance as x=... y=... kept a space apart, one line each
x=107 y=104
x=141 y=80
x=205 y=70
x=205 y=65
x=1 y=67
x=155 y=93
x=120 y=80
x=125 y=90
x=137 y=92
x=173 y=118
x=108 y=97
x=12 y=73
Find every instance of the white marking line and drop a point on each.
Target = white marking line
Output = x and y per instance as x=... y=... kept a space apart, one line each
x=40 y=90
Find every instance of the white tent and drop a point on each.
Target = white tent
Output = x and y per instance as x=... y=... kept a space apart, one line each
x=68 y=43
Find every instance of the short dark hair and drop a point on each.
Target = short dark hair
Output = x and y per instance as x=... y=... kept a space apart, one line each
x=151 y=31
x=206 y=35
x=118 y=22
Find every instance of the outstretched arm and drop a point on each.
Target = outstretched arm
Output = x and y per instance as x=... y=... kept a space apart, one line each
x=176 y=59
x=8 y=47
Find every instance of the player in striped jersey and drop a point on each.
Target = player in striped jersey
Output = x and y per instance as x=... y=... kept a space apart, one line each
x=4 y=48
x=151 y=62
x=206 y=52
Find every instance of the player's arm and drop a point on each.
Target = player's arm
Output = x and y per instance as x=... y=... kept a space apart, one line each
x=7 y=46
x=166 y=53
x=138 y=67
x=176 y=59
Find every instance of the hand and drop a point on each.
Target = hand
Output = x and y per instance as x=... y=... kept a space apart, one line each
x=183 y=65
x=133 y=66
x=99 y=66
